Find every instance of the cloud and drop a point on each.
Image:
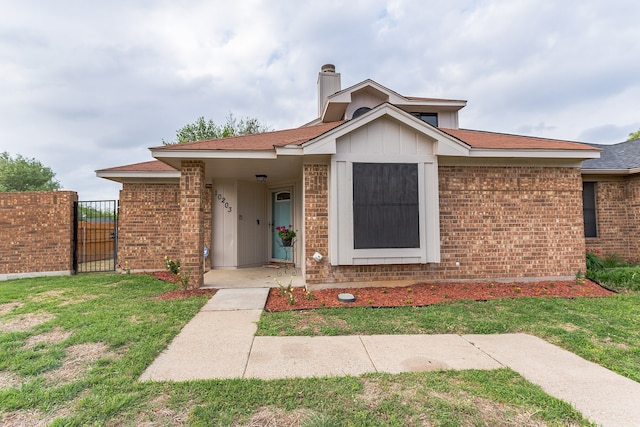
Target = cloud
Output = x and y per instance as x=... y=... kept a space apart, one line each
x=90 y=85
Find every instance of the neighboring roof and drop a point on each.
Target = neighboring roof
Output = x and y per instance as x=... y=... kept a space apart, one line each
x=256 y=142
x=623 y=157
x=492 y=140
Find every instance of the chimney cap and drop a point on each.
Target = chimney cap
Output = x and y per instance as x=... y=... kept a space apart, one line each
x=328 y=68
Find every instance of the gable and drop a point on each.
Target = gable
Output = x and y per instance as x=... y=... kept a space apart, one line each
x=397 y=131
x=385 y=137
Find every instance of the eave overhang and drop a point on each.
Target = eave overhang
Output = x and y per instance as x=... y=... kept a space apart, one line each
x=337 y=104
x=139 y=176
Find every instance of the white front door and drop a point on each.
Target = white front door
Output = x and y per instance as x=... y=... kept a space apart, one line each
x=281 y=215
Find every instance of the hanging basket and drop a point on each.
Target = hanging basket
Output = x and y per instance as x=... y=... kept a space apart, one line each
x=286 y=242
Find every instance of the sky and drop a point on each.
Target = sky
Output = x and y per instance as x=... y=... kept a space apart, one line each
x=87 y=85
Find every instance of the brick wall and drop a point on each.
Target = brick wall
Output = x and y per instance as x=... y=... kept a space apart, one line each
x=617 y=214
x=148 y=225
x=316 y=221
x=497 y=222
x=192 y=201
x=37 y=232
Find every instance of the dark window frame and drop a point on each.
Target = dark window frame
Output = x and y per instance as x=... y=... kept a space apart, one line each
x=386 y=206
x=431 y=118
x=589 y=209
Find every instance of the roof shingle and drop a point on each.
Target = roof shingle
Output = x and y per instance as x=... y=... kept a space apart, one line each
x=260 y=141
x=492 y=140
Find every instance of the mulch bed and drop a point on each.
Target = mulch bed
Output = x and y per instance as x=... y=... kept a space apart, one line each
x=417 y=295
x=426 y=294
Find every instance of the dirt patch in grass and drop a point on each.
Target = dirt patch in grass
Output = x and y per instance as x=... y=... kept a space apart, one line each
x=9 y=306
x=24 y=322
x=314 y=321
x=84 y=298
x=178 y=294
x=427 y=294
x=55 y=336
x=46 y=296
x=77 y=362
x=159 y=414
x=58 y=294
x=276 y=417
x=9 y=379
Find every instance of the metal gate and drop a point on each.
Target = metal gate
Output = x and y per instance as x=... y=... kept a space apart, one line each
x=95 y=236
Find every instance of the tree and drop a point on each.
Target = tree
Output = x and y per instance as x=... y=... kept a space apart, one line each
x=634 y=135
x=21 y=174
x=203 y=129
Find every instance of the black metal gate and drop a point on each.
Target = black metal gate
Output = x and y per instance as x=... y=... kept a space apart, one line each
x=95 y=236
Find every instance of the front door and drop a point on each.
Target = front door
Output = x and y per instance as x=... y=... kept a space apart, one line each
x=280 y=216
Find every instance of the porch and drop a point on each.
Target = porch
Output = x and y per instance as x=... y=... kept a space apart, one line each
x=255 y=277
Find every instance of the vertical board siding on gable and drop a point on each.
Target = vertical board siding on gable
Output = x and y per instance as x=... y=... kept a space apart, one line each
x=497 y=222
x=37 y=232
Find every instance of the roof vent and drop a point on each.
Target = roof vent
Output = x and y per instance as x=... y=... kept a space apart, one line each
x=328 y=68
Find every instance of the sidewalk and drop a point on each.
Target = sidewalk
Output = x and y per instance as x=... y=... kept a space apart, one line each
x=219 y=342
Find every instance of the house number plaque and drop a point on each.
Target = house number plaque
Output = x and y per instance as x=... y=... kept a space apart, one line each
x=222 y=200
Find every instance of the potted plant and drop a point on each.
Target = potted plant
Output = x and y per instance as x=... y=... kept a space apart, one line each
x=286 y=234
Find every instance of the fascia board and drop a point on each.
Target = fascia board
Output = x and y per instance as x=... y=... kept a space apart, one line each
x=289 y=151
x=610 y=171
x=442 y=105
x=214 y=154
x=532 y=153
x=139 y=176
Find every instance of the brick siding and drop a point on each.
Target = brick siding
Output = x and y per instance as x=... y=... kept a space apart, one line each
x=617 y=214
x=192 y=202
x=316 y=220
x=497 y=222
x=148 y=225
x=37 y=232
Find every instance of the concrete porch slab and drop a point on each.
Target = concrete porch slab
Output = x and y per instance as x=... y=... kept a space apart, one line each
x=256 y=277
x=214 y=344
x=303 y=357
x=238 y=299
x=415 y=353
x=600 y=394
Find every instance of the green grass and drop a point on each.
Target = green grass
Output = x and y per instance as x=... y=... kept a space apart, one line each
x=79 y=344
x=613 y=272
x=603 y=330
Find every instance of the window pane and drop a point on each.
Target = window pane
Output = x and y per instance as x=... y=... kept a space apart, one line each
x=431 y=118
x=589 y=209
x=385 y=205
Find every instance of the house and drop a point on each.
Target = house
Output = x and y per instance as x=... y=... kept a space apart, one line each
x=386 y=188
x=611 y=200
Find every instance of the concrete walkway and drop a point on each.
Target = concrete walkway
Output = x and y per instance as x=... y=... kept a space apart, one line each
x=219 y=342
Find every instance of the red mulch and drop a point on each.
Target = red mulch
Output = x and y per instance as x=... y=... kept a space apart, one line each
x=426 y=294
x=166 y=276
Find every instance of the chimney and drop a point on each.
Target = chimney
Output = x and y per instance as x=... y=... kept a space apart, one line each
x=328 y=84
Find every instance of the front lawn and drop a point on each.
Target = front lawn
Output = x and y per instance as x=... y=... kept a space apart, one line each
x=72 y=349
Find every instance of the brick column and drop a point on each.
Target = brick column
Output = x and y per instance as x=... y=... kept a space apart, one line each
x=316 y=222
x=192 y=199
